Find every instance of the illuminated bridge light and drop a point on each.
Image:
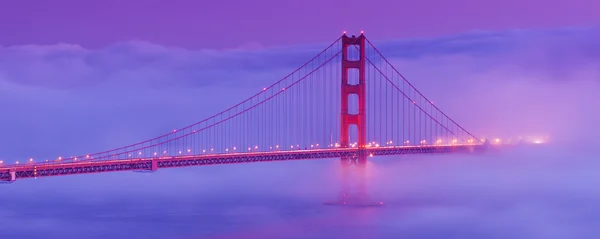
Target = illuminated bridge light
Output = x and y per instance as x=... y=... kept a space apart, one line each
x=30 y=160
x=204 y=151
x=1 y=161
x=234 y=148
x=189 y=150
x=165 y=152
x=179 y=151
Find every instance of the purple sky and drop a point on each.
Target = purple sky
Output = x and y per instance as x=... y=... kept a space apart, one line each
x=234 y=23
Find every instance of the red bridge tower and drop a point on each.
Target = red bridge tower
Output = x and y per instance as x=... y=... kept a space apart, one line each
x=359 y=90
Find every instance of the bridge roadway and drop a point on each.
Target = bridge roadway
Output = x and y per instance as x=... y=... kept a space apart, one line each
x=57 y=168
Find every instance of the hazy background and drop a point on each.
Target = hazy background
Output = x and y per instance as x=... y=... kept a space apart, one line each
x=120 y=80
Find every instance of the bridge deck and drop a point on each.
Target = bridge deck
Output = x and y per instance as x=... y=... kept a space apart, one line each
x=34 y=170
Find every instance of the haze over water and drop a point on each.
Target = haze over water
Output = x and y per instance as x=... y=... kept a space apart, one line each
x=538 y=192
x=62 y=100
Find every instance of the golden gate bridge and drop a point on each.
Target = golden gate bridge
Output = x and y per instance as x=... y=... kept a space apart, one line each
x=347 y=102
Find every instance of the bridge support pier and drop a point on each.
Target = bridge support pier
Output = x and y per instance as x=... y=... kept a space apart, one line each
x=154 y=166
x=13 y=175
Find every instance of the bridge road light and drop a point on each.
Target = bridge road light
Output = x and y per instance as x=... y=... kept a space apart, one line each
x=1 y=162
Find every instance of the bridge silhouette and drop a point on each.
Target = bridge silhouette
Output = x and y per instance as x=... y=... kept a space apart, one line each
x=347 y=102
